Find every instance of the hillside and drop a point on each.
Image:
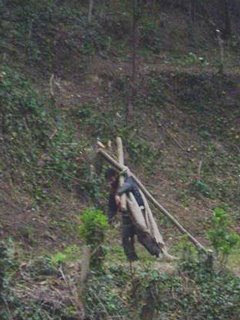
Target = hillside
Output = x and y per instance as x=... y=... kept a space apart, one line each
x=66 y=82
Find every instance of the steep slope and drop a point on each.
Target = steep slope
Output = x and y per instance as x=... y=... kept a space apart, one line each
x=64 y=83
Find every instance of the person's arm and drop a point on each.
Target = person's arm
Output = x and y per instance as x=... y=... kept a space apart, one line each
x=126 y=187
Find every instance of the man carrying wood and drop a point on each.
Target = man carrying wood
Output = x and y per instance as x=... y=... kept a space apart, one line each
x=136 y=219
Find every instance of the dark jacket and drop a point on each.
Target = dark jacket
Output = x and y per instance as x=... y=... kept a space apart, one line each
x=131 y=186
x=128 y=186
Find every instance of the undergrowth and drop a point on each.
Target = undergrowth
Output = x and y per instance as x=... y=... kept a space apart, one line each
x=193 y=290
x=68 y=33
x=106 y=124
x=38 y=147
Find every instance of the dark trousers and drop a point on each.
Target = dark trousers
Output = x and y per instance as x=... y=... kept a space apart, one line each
x=128 y=233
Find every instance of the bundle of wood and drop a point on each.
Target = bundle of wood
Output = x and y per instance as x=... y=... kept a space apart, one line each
x=145 y=222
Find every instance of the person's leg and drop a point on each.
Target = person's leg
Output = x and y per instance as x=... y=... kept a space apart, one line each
x=128 y=233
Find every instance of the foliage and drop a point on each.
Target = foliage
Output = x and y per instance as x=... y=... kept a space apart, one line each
x=68 y=33
x=191 y=291
x=151 y=35
x=4 y=266
x=94 y=225
x=201 y=187
x=92 y=183
x=69 y=254
x=142 y=153
x=107 y=124
x=103 y=296
x=190 y=59
x=37 y=145
x=8 y=265
x=23 y=283
x=222 y=238
x=21 y=109
x=93 y=228
x=194 y=291
x=187 y=250
x=41 y=267
x=63 y=154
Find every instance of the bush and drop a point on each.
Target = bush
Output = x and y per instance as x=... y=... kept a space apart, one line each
x=94 y=225
x=92 y=230
x=223 y=239
x=38 y=146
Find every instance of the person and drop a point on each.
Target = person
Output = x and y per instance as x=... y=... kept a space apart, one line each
x=129 y=230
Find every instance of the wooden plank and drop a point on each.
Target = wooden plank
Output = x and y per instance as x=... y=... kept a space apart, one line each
x=121 y=179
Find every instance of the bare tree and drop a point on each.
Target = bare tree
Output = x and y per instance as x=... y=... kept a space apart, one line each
x=135 y=16
x=192 y=10
x=227 y=30
x=90 y=10
x=192 y=15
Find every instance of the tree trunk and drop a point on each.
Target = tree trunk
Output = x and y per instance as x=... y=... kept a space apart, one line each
x=221 y=49
x=84 y=268
x=90 y=10
x=134 y=56
x=192 y=14
x=192 y=10
x=227 y=31
x=121 y=179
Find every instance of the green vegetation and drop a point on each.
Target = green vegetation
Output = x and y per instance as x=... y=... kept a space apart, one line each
x=222 y=238
x=151 y=293
x=38 y=146
x=94 y=224
x=69 y=254
x=93 y=229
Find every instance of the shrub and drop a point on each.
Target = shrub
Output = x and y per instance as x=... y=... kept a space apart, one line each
x=92 y=230
x=94 y=224
x=223 y=239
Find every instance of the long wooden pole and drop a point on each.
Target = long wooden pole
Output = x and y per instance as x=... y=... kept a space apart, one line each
x=121 y=179
x=120 y=167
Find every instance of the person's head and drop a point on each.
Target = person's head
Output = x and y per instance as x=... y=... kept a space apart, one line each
x=112 y=177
